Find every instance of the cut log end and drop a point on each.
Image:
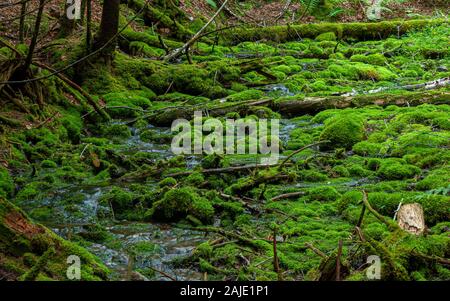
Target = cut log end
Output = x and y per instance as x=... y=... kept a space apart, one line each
x=411 y=218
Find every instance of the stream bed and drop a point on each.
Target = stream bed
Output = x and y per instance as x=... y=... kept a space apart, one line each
x=158 y=244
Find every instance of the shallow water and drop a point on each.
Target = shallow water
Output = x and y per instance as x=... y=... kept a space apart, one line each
x=170 y=243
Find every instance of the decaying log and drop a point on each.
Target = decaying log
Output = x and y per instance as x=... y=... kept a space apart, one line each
x=410 y=218
x=431 y=85
x=309 y=105
x=221 y=170
x=359 y=31
x=313 y=105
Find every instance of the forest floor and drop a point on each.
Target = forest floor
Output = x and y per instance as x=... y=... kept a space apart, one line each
x=370 y=116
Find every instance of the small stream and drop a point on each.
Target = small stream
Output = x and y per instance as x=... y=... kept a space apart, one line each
x=163 y=243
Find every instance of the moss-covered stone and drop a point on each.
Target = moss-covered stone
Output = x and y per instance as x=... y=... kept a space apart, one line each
x=180 y=202
x=397 y=170
x=342 y=131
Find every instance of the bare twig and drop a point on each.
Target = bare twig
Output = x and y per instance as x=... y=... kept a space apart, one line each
x=315 y=250
x=288 y=195
x=298 y=151
x=179 y=51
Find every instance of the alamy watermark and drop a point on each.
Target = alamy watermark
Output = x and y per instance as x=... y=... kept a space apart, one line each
x=73 y=9
x=231 y=136
x=373 y=272
x=74 y=269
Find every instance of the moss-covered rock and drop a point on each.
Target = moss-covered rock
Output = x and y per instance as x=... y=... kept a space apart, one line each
x=342 y=131
x=392 y=169
x=178 y=203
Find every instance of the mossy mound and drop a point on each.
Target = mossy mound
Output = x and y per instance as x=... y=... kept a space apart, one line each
x=392 y=169
x=178 y=203
x=342 y=131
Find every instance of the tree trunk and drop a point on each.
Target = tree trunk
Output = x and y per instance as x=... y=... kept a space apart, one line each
x=109 y=27
x=88 y=25
x=23 y=10
x=22 y=71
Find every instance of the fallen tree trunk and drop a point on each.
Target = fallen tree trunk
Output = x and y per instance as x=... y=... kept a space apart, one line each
x=73 y=85
x=359 y=31
x=221 y=170
x=309 y=105
x=312 y=105
x=431 y=85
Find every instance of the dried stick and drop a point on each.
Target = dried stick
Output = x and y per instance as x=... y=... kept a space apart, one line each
x=299 y=150
x=288 y=195
x=315 y=250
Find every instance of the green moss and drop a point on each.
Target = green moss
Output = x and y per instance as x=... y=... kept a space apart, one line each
x=342 y=131
x=178 y=203
x=167 y=182
x=118 y=131
x=326 y=36
x=6 y=183
x=366 y=148
x=152 y=135
x=143 y=49
x=323 y=194
x=48 y=164
x=435 y=179
x=120 y=200
x=372 y=59
x=251 y=94
x=392 y=169
x=311 y=176
x=204 y=250
x=339 y=171
x=195 y=179
x=73 y=125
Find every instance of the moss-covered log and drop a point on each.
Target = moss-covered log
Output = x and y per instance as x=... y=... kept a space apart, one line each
x=313 y=105
x=31 y=251
x=308 y=105
x=358 y=31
